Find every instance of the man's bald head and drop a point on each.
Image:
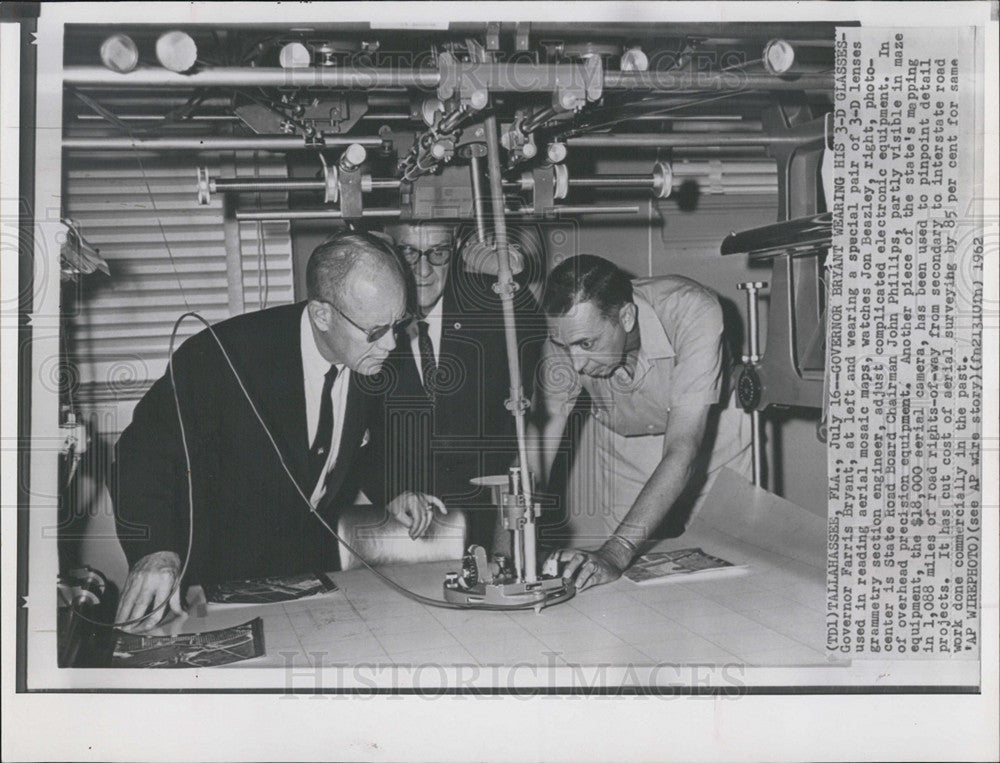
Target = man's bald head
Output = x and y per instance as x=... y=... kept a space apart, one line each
x=344 y=257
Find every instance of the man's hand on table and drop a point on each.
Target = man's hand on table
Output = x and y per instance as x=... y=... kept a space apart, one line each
x=416 y=511
x=584 y=568
x=150 y=583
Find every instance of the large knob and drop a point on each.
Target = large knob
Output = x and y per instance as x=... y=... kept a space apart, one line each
x=353 y=157
x=176 y=51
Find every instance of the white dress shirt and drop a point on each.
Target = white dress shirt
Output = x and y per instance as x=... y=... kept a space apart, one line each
x=434 y=320
x=314 y=369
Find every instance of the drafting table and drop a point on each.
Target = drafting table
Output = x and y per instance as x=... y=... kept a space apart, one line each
x=771 y=616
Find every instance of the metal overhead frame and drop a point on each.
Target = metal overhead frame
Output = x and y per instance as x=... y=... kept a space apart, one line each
x=495 y=77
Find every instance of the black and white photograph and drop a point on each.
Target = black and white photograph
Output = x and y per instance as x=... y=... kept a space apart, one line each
x=597 y=381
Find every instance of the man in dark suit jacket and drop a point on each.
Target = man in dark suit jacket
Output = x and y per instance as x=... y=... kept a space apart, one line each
x=445 y=417
x=308 y=370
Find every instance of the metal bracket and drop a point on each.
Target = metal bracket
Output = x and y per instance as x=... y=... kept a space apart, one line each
x=543 y=189
x=448 y=74
x=455 y=77
x=351 y=195
x=522 y=36
x=493 y=35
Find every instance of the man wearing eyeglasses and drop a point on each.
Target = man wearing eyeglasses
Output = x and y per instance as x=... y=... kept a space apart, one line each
x=449 y=377
x=260 y=468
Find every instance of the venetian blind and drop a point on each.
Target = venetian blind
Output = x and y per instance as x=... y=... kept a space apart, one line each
x=167 y=255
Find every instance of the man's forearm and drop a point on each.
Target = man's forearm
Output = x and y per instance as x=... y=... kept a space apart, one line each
x=652 y=505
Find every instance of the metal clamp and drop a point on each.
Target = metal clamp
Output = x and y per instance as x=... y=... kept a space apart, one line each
x=505 y=289
x=452 y=80
x=520 y=405
x=586 y=83
x=751 y=288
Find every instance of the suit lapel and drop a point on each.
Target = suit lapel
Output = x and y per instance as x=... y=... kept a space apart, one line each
x=451 y=326
x=286 y=401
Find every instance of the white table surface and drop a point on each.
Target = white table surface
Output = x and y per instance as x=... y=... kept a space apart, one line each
x=772 y=615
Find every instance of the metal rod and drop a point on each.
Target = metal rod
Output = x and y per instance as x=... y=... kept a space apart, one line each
x=166 y=98
x=756 y=452
x=570 y=209
x=505 y=288
x=498 y=77
x=716 y=152
x=335 y=214
x=239 y=185
x=669 y=140
x=517 y=545
x=716 y=125
x=161 y=117
x=388 y=99
x=261 y=143
x=730 y=119
x=613 y=181
x=235 y=76
x=309 y=214
x=718 y=81
x=685 y=168
x=477 y=197
x=223 y=185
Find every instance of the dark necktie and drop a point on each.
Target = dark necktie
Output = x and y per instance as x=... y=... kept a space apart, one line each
x=427 y=363
x=324 y=432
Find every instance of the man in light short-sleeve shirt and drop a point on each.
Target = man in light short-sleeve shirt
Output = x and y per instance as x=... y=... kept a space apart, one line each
x=650 y=354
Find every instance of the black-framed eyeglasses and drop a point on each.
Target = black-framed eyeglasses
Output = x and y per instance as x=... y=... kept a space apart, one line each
x=374 y=333
x=436 y=255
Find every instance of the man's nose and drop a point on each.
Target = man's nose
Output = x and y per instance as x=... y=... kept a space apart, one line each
x=424 y=268
x=387 y=341
x=579 y=361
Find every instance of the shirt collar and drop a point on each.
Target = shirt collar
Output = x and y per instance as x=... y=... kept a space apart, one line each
x=313 y=362
x=436 y=314
x=653 y=344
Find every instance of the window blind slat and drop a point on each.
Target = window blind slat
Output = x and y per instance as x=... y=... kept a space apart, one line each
x=121 y=324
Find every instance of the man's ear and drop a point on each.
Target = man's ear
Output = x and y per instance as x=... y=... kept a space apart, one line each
x=628 y=314
x=319 y=314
